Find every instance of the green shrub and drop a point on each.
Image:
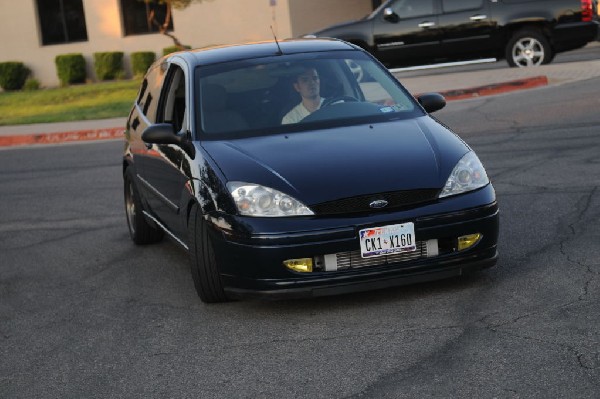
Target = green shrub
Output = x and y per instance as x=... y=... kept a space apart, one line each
x=141 y=61
x=13 y=75
x=31 y=84
x=172 y=49
x=109 y=65
x=70 y=68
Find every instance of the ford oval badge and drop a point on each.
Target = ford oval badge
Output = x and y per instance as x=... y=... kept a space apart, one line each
x=378 y=204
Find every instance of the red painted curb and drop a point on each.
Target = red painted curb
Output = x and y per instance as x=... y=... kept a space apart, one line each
x=62 y=137
x=117 y=132
x=498 y=88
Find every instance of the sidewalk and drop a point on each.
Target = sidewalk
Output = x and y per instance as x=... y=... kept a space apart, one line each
x=454 y=86
x=555 y=74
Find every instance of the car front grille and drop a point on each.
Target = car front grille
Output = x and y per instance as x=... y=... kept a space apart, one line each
x=396 y=199
x=353 y=260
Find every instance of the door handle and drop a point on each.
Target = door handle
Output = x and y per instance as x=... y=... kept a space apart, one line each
x=427 y=24
x=479 y=17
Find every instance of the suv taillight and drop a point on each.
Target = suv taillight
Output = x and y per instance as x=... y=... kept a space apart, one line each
x=587 y=12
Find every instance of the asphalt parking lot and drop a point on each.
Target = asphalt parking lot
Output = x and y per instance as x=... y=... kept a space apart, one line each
x=85 y=313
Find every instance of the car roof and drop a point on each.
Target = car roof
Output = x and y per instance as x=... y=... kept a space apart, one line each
x=218 y=54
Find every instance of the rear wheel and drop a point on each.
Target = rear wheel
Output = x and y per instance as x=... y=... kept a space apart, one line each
x=140 y=230
x=205 y=272
x=528 y=47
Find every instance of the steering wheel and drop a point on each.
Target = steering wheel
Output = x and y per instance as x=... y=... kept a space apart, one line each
x=336 y=99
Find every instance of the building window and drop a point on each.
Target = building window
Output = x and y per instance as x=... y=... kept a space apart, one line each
x=61 y=21
x=137 y=16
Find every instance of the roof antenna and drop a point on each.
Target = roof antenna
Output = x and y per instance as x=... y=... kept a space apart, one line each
x=276 y=42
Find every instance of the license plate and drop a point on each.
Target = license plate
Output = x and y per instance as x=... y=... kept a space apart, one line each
x=386 y=240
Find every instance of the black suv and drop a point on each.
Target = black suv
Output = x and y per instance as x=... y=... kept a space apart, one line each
x=525 y=32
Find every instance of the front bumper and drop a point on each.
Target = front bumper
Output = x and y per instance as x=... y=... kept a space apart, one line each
x=251 y=263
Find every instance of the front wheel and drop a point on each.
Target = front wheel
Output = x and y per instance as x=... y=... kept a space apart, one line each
x=528 y=48
x=205 y=272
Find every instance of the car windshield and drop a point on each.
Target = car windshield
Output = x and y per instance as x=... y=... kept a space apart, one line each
x=292 y=93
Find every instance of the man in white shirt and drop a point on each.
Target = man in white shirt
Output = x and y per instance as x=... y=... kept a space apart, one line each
x=308 y=85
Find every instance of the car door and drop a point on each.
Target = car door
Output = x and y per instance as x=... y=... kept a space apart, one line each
x=406 y=31
x=466 y=28
x=163 y=169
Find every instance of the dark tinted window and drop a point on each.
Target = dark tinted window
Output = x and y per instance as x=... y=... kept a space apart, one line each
x=462 y=5
x=61 y=21
x=136 y=16
x=172 y=102
x=413 y=8
x=148 y=100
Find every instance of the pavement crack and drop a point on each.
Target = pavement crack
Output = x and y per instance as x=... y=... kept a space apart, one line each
x=584 y=360
x=584 y=206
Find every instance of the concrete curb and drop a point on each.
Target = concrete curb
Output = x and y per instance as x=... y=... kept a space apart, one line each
x=117 y=132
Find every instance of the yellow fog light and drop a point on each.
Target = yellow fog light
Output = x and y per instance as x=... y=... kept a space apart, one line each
x=466 y=242
x=304 y=265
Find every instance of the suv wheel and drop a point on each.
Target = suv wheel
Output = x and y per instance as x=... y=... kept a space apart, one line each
x=528 y=48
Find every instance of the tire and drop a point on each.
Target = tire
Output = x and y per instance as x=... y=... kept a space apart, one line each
x=140 y=230
x=528 y=47
x=205 y=271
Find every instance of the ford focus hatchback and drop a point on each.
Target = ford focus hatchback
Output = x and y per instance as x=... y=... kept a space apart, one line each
x=301 y=168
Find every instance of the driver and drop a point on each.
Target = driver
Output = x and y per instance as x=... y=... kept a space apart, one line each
x=308 y=85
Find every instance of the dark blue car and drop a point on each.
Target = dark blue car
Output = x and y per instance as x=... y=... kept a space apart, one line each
x=302 y=168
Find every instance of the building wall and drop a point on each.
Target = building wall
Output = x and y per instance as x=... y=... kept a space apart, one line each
x=202 y=24
x=210 y=22
x=308 y=16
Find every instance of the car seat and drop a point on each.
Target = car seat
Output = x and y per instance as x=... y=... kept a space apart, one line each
x=216 y=117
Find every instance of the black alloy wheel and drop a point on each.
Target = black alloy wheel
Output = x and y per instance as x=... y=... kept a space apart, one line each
x=205 y=272
x=140 y=230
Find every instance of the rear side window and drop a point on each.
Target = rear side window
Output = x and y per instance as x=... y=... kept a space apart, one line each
x=413 y=8
x=150 y=91
x=463 y=5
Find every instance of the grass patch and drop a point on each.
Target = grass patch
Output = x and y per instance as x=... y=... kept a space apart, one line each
x=73 y=103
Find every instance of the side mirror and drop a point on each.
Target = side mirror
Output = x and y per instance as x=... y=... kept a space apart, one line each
x=161 y=133
x=389 y=15
x=432 y=101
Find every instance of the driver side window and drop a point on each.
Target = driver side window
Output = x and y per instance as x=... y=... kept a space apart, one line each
x=174 y=100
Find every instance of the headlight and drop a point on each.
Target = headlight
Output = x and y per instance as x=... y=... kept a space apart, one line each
x=257 y=200
x=468 y=175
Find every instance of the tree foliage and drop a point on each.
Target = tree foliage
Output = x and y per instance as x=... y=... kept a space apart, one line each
x=163 y=26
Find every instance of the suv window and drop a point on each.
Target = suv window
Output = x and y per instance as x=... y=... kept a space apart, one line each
x=463 y=5
x=413 y=8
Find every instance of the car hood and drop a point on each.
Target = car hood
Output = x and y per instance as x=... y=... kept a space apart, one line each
x=325 y=165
